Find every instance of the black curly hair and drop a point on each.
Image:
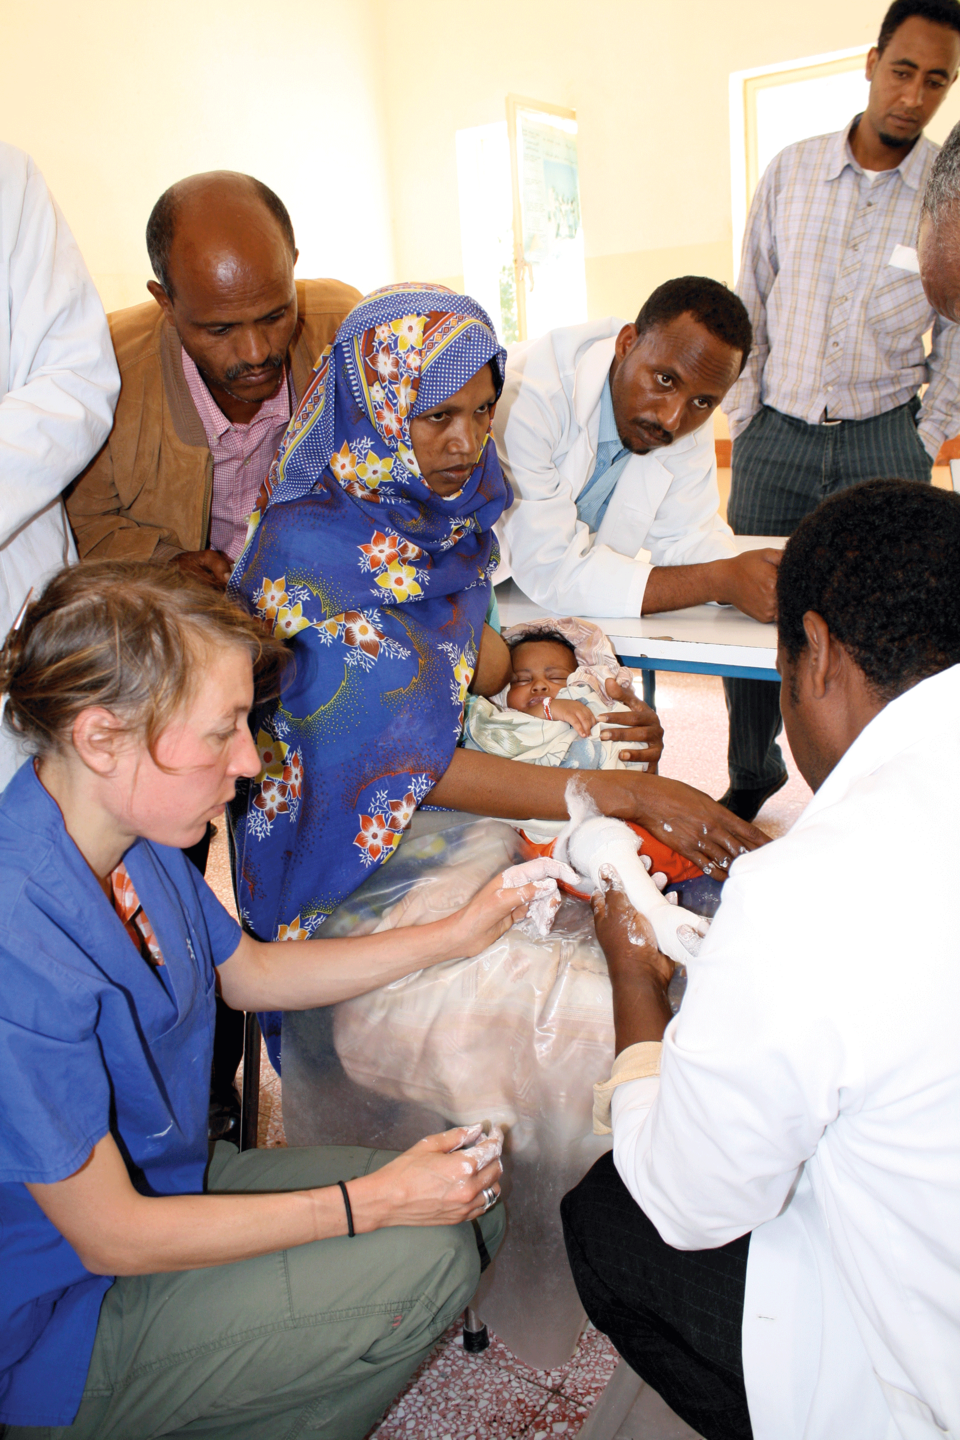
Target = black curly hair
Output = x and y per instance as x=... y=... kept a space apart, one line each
x=535 y=636
x=711 y=304
x=880 y=563
x=938 y=12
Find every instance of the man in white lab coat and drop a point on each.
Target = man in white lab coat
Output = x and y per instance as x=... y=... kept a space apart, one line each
x=605 y=431
x=774 y=1243
x=58 y=387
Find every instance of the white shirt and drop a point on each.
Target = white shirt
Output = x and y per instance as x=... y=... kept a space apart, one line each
x=58 y=387
x=810 y=1093
x=546 y=428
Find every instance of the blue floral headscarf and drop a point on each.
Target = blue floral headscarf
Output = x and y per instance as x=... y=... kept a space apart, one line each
x=381 y=586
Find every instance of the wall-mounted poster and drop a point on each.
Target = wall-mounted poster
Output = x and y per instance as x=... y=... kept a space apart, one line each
x=548 y=234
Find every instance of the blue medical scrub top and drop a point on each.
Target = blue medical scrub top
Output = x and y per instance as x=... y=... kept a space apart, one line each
x=92 y=1039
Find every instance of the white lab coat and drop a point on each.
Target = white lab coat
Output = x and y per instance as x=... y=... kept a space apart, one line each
x=665 y=502
x=810 y=1093
x=58 y=387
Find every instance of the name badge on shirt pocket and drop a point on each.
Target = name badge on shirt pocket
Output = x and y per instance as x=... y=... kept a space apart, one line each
x=904 y=257
x=897 y=309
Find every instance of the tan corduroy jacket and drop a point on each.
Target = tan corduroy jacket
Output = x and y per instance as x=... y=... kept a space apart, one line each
x=147 y=494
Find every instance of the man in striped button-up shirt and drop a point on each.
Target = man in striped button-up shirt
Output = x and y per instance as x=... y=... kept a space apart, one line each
x=829 y=277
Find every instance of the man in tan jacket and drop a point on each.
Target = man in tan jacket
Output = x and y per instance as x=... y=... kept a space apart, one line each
x=211 y=370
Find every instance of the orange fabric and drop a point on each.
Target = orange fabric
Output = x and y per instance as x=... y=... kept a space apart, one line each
x=672 y=864
x=127 y=905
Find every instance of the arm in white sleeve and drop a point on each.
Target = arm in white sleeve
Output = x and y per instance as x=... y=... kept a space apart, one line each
x=687 y=528
x=750 y=1077
x=57 y=365
x=758 y=271
x=939 y=417
x=630 y=1107
x=553 y=556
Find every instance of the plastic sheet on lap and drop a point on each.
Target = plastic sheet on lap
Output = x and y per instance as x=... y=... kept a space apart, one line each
x=515 y=1035
x=509 y=1031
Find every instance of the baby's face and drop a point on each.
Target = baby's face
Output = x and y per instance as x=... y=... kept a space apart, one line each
x=540 y=671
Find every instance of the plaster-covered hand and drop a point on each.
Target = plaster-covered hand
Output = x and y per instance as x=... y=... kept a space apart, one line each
x=627 y=937
x=637 y=724
x=640 y=973
x=697 y=827
x=543 y=872
x=438 y=1181
x=749 y=582
x=212 y=567
x=574 y=713
x=490 y=914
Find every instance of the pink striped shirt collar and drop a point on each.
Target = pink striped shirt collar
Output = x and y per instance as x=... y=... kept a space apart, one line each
x=215 y=423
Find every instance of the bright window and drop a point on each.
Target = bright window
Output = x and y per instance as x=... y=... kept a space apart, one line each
x=520 y=223
x=486 y=224
x=773 y=107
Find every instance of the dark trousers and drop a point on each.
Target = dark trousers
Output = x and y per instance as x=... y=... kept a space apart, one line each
x=228 y=1031
x=674 y=1315
x=781 y=470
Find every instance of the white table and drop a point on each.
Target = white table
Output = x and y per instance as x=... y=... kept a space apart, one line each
x=701 y=640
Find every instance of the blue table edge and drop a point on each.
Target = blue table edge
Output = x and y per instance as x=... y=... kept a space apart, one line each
x=695 y=667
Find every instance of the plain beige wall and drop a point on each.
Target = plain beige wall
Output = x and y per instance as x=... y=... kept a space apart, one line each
x=116 y=100
x=650 y=85
x=350 y=111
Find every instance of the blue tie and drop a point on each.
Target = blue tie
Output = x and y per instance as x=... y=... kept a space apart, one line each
x=593 y=500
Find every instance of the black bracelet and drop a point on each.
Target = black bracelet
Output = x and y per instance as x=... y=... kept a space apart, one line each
x=346 y=1200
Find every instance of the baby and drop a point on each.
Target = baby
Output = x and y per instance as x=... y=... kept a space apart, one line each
x=541 y=668
x=548 y=712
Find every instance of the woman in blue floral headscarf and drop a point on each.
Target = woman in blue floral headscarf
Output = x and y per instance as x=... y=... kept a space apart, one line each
x=379 y=573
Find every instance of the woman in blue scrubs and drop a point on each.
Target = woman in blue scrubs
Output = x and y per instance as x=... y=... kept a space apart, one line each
x=149 y=1290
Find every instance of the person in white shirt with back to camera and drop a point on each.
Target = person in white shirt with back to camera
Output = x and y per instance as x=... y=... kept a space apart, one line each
x=605 y=431
x=58 y=387
x=773 y=1244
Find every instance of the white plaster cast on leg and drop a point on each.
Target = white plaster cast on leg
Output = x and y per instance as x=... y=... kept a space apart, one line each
x=593 y=841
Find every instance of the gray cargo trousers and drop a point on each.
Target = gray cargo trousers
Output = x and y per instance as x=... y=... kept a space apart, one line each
x=314 y=1341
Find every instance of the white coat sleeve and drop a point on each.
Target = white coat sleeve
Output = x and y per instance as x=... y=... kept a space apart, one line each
x=59 y=374
x=751 y=1074
x=686 y=527
x=552 y=554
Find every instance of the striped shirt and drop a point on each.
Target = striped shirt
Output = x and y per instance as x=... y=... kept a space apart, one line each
x=242 y=455
x=837 y=327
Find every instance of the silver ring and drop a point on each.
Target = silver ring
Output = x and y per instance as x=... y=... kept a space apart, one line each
x=491 y=1197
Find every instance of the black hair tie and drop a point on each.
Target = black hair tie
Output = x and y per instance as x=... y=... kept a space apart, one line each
x=346 y=1200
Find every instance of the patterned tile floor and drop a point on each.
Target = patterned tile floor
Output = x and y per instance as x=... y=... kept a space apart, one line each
x=493 y=1396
